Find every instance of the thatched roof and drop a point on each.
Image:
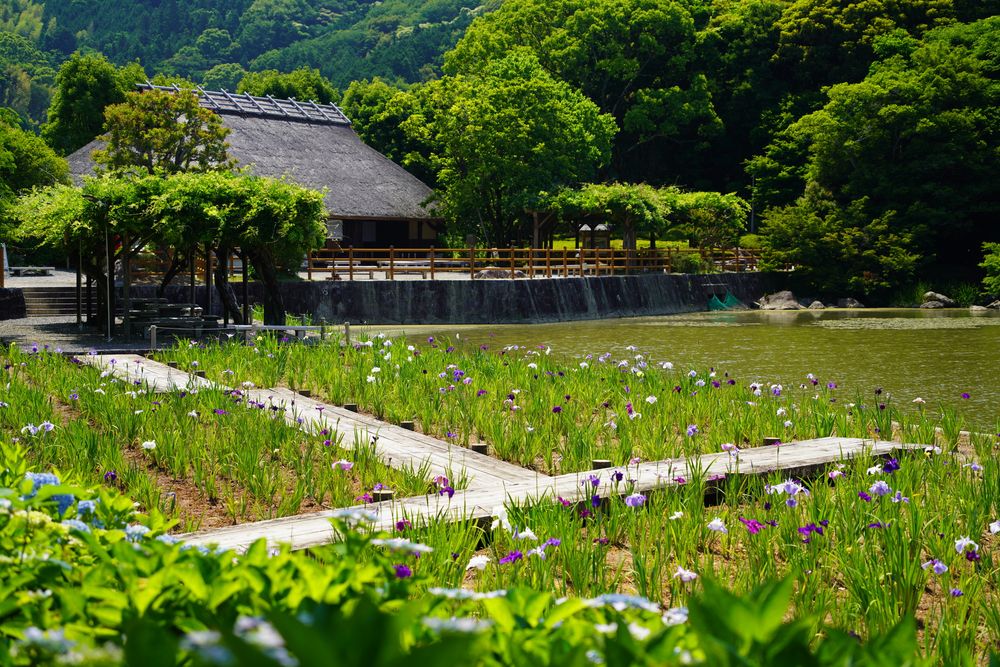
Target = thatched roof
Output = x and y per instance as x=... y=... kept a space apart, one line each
x=315 y=149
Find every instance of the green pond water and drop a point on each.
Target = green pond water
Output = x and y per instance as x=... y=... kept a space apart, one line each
x=936 y=355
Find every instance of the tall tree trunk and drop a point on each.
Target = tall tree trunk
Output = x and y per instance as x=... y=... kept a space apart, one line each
x=226 y=294
x=267 y=272
x=628 y=237
x=177 y=262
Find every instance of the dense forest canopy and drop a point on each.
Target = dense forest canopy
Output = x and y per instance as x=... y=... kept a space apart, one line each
x=858 y=133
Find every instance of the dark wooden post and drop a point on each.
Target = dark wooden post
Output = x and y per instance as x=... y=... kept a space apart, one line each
x=392 y=263
x=350 y=262
x=246 y=298
x=191 y=275
x=126 y=285
x=512 y=262
x=432 y=267
x=472 y=263
x=208 y=279
x=79 y=284
x=90 y=299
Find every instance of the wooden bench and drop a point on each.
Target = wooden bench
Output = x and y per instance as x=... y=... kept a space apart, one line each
x=31 y=270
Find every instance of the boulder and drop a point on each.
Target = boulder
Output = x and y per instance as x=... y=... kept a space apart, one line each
x=849 y=302
x=932 y=304
x=934 y=296
x=783 y=300
x=816 y=305
x=995 y=305
x=498 y=274
x=978 y=309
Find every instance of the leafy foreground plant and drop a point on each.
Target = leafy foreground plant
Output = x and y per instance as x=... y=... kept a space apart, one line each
x=88 y=581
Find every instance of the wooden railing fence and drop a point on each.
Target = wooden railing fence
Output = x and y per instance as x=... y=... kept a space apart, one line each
x=434 y=263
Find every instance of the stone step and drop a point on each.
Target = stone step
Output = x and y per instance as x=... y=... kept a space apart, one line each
x=49 y=301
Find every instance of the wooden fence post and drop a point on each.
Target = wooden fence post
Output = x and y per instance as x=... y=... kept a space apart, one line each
x=432 y=262
x=309 y=266
x=392 y=263
x=548 y=262
x=512 y=262
x=472 y=263
x=350 y=262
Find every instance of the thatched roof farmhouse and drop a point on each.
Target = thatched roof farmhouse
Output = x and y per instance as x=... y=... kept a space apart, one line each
x=372 y=201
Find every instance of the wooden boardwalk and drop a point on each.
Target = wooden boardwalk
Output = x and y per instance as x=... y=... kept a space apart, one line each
x=311 y=530
x=157 y=377
x=397 y=447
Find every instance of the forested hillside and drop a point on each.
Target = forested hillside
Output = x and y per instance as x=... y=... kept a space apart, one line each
x=219 y=40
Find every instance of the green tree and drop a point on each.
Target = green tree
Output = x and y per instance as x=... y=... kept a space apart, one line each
x=502 y=138
x=303 y=84
x=224 y=77
x=838 y=249
x=735 y=49
x=829 y=41
x=163 y=131
x=87 y=83
x=378 y=111
x=991 y=264
x=636 y=59
x=25 y=162
x=912 y=147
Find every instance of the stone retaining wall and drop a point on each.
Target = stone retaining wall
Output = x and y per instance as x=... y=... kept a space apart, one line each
x=493 y=301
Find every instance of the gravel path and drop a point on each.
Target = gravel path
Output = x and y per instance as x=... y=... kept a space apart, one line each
x=60 y=331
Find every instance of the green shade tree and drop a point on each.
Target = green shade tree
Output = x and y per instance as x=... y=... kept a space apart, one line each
x=106 y=220
x=164 y=132
x=274 y=222
x=86 y=84
x=114 y=215
x=502 y=138
x=710 y=219
x=631 y=208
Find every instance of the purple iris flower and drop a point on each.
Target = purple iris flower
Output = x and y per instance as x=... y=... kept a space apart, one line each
x=511 y=557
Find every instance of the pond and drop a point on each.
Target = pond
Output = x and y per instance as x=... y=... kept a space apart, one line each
x=934 y=355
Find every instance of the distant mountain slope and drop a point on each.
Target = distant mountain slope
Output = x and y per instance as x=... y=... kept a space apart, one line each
x=346 y=39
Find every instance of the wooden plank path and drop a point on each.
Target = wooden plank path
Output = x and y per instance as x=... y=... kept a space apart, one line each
x=157 y=377
x=396 y=446
x=311 y=530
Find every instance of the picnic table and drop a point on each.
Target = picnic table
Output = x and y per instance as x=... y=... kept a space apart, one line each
x=31 y=270
x=171 y=317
